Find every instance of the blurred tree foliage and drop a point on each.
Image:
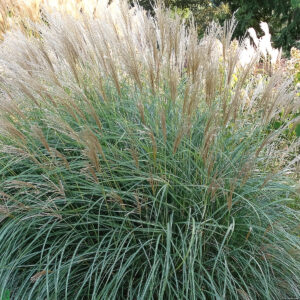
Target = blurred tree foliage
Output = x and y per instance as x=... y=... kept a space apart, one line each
x=204 y=11
x=283 y=16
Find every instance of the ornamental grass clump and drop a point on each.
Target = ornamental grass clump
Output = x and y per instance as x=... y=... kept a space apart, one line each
x=137 y=162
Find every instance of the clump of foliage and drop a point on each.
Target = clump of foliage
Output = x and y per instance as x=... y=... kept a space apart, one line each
x=136 y=163
x=293 y=65
x=203 y=11
x=283 y=16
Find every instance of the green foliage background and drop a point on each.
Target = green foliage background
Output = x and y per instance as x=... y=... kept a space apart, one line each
x=283 y=16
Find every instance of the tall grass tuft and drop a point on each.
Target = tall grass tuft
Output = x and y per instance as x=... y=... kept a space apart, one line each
x=139 y=162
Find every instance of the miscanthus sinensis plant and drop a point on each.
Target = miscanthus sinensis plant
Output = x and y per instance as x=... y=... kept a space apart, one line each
x=137 y=162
